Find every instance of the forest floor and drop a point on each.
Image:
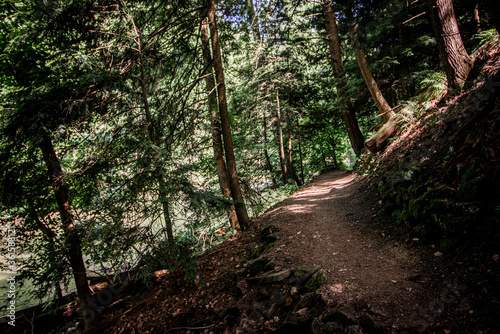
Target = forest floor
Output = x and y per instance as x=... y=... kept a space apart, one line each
x=378 y=279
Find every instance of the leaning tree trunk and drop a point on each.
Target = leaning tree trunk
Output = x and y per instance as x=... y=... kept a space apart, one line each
x=348 y=114
x=239 y=204
x=284 y=171
x=389 y=119
x=220 y=164
x=454 y=57
x=72 y=239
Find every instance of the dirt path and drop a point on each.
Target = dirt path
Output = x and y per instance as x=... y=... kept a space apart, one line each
x=334 y=224
x=372 y=272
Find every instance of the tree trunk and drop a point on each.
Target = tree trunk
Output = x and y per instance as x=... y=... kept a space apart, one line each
x=478 y=19
x=334 y=152
x=156 y=157
x=266 y=154
x=239 y=204
x=454 y=57
x=293 y=174
x=377 y=141
x=385 y=110
x=300 y=155
x=284 y=171
x=72 y=239
x=253 y=19
x=220 y=164
x=348 y=114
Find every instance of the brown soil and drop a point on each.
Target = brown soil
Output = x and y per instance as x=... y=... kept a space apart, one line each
x=373 y=269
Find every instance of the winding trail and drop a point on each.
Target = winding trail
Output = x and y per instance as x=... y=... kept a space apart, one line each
x=335 y=224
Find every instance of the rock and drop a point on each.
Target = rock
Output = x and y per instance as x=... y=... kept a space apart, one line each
x=340 y=317
x=369 y=326
x=315 y=327
x=316 y=280
x=272 y=278
x=354 y=329
x=302 y=312
x=270 y=238
x=303 y=273
x=270 y=266
x=268 y=229
x=256 y=251
x=271 y=312
x=331 y=327
x=293 y=327
x=255 y=266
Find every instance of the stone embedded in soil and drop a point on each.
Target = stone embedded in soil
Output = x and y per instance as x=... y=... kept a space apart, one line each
x=302 y=274
x=316 y=280
x=354 y=329
x=339 y=316
x=331 y=327
x=369 y=325
x=268 y=229
x=270 y=266
x=272 y=278
x=255 y=266
x=270 y=238
x=271 y=312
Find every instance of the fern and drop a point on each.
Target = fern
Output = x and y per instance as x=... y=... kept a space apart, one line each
x=484 y=37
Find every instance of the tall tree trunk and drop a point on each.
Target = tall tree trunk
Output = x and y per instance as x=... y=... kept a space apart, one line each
x=284 y=171
x=348 y=114
x=377 y=141
x=454 y=57
x=334 y=152
x=156 y=157
x=253 y=19
x=293 y=174
x=72 y=239
x=300 y=154
x=49 y=234
x=220 y=164
x=478 y=19
x=239 y=204
x=266 y=154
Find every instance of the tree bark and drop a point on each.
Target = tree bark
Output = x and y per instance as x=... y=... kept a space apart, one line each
x=348 y=114
x=477 y=18
x=377 y=141
x=266 y=154
x=293 y=174
x=220 y=163
x=156 y=157
x=239 y=203
x=253 y=19
x=300 y=154
x=72 y=239
x=284 y=171
x=454 y=57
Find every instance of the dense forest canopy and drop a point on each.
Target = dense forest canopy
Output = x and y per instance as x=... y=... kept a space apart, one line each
x=137 y=134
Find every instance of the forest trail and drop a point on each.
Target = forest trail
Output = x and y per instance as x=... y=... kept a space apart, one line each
x=335 y=224
x=373 y=272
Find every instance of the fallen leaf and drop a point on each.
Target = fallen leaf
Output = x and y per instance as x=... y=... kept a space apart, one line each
x=496 y=257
